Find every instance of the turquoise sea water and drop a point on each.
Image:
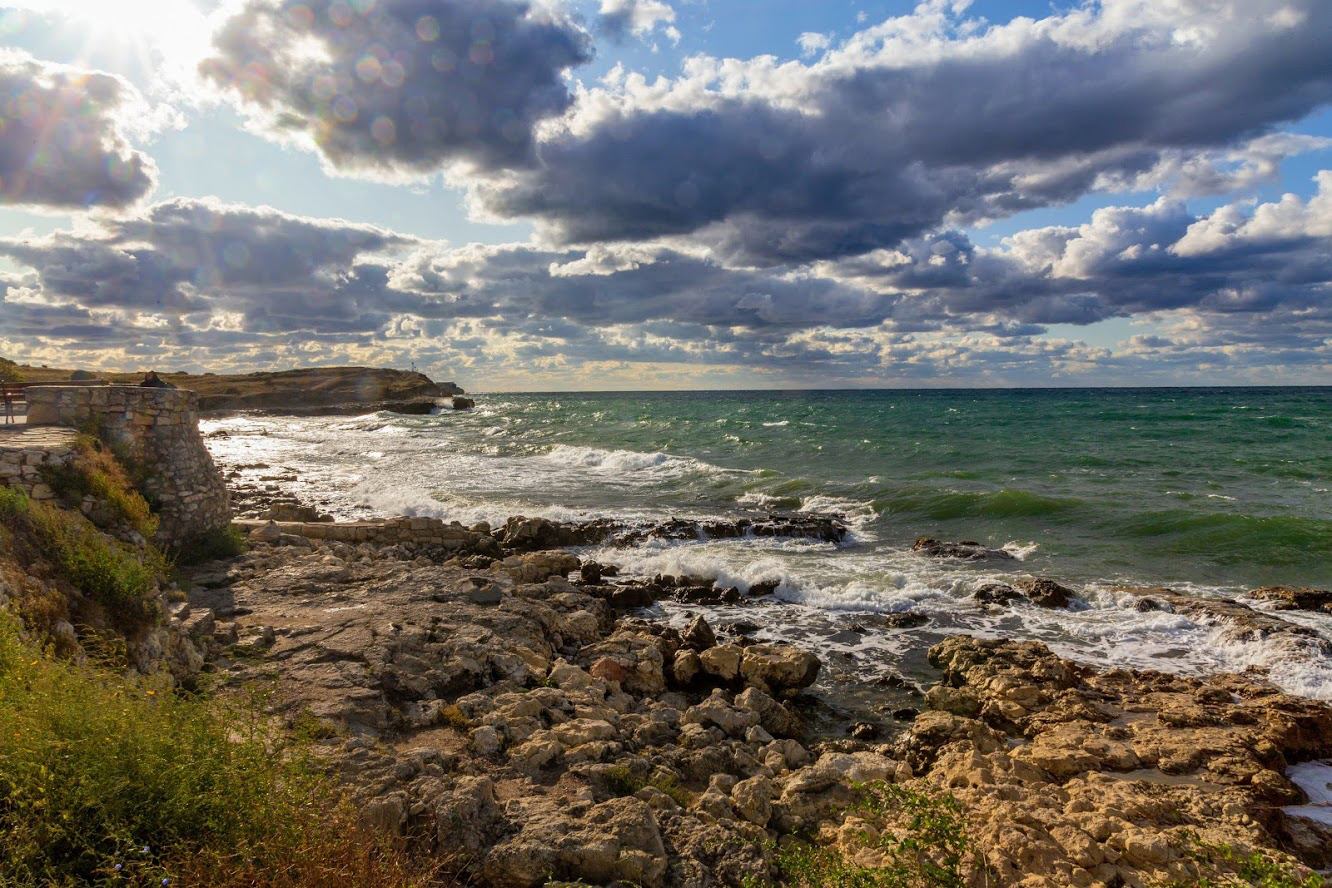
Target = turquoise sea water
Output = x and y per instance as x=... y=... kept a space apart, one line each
x=1215 y=491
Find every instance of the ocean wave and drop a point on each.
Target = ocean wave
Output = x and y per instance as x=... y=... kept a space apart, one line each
x=944 y=505
x=1231 y=538
x=608 y=460
x=756 y=500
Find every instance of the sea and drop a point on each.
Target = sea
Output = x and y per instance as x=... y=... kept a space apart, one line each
x=1208 y=491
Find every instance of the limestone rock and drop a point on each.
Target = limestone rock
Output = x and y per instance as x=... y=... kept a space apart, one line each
x=778 y=668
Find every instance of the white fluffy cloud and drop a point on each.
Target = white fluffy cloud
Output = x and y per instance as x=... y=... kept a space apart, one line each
x=63 y=137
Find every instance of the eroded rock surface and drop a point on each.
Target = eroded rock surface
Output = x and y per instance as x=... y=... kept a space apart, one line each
x=1071 y=776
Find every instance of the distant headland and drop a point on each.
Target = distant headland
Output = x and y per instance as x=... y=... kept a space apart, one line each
x=303 y=391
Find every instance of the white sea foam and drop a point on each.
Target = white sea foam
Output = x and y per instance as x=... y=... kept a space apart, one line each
x=1020 y=551
x=784 y=422
x=1315 y=778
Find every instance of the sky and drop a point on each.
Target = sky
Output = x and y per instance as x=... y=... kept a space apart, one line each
x=550 y=195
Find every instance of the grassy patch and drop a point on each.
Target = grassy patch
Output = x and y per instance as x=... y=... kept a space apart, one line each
x=120 y=578
x=96 y=472
x=1223 y=865
x=109 y=781
x=210 y=545
x=621 y=781
x=918 y=836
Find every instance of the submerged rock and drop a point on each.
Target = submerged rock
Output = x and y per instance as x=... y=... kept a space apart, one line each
x=1293 y=598
x=1047 y=593
x=968 y=550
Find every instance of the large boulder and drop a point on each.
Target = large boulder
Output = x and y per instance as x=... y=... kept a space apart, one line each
x=778 y=668
x=616 y=841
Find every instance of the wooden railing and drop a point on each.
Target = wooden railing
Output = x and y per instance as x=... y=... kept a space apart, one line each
x=12 y=394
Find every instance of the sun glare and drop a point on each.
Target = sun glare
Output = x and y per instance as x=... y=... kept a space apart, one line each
x=175 y=31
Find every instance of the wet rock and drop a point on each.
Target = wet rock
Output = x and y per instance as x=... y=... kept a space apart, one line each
x=763 y=587
x=294 y=512
x=1047 y=593
x=1238 y=621
x=865 y=731
x=968 y=550
x=997 y=595
x=1294 y=598
x=699 y=635
x=530 y=534
x=590 y=573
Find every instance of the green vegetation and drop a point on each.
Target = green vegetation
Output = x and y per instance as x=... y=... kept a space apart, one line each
x=9 y=371
x=919 y=835
x=121 y=578
x=623 y=782
x=95 y=472
x=210 y=545
x=109 y=781
x=1223 y=865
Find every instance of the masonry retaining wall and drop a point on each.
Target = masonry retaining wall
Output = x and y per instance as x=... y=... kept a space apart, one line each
x=159 y=430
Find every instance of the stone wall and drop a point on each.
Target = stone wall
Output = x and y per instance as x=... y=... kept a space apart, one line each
x=159 y=430
x=25 y=451
x=390 y=531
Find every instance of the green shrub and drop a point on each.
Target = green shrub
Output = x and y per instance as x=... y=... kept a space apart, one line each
x=210 y=545
x=920 y=834
x=9 y=371
x=109 y=781
x=119 y=577
x=96 y=473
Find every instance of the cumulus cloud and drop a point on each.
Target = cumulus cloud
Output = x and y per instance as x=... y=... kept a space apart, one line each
x=190 y=262
x=1242 y=288
x=928 y=120
x=400 y=88
x=63 y=142
x=620 y=18
x=1270 y=263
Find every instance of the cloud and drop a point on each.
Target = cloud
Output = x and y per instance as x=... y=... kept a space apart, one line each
x=812 y=43
x=620 y=18
x=1271 y=263
x=63 y=142
x=400 y=88
x=924 y=121
x=190 y=262
x=1244 y=289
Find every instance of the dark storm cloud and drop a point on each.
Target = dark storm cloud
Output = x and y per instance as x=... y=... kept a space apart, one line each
x=892 y=135
x=62 y=138
x=401 y=86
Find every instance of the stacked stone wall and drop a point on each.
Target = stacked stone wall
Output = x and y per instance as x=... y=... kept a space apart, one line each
x=391 y=531
x=25 y=451
x=158 y=429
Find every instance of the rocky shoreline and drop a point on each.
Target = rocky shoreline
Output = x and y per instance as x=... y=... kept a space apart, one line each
x=491 y=698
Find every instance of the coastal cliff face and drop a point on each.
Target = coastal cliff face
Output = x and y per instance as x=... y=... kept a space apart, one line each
x=157 y=429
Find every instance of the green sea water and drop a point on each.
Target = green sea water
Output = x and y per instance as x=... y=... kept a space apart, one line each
x=1230 y=487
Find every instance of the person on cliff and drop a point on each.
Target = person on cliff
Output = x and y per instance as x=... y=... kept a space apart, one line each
x=152 y=380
